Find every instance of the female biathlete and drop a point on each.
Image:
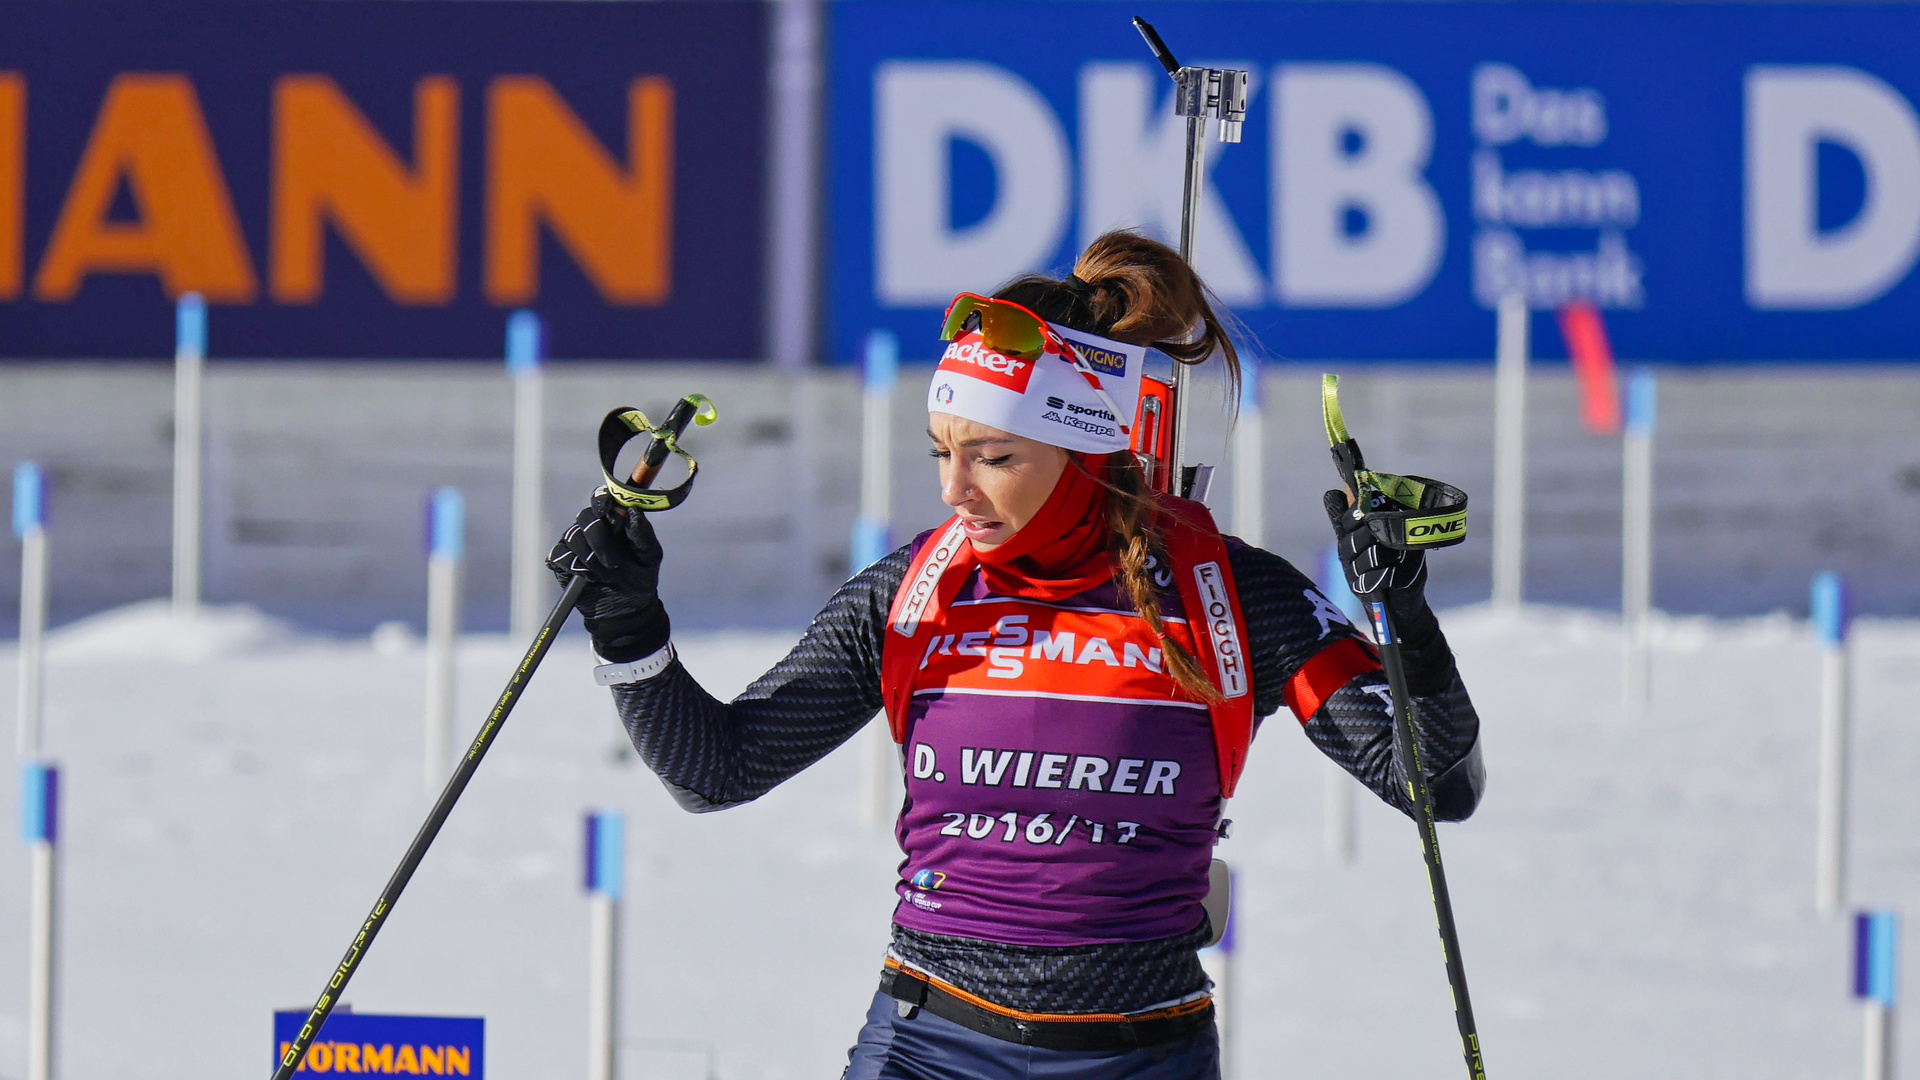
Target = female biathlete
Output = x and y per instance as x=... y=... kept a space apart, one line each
x=1072 y=667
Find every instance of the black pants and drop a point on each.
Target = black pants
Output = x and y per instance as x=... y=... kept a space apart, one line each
x=929 y=1048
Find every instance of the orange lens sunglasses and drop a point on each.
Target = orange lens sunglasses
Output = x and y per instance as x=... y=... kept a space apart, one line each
x=1005 y=327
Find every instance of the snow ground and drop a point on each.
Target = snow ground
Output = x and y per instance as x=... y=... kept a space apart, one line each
x=1634 y=895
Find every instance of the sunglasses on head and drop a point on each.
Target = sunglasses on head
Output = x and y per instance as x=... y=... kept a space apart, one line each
x=1011 y=330
x=1004 y=326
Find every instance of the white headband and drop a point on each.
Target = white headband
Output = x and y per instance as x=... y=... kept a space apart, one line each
x=1087 y=407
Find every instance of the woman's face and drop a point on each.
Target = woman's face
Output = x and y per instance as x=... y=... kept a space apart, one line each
x=994 y=481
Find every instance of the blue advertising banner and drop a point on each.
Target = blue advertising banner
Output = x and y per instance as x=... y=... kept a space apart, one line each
x=383 y=178
x=385 y=1045
x=1726 y=182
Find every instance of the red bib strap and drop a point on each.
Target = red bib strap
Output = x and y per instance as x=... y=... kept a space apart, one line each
x=939 y=569
x=1205 y=579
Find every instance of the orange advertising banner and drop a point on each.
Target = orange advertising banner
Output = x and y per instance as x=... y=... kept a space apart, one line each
x=383 y=179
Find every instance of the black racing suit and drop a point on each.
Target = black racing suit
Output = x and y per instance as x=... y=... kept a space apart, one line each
x=714 y=754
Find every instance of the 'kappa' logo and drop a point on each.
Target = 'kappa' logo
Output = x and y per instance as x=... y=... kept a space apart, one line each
x=968 y=355
x=1088 y=426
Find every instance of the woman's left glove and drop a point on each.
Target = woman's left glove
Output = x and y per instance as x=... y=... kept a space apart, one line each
x=618 y=553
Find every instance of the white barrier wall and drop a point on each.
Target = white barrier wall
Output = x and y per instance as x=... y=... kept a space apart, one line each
x=314 y=474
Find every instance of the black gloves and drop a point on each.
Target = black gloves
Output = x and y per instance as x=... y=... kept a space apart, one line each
x=617 y=552
x=1371 y=566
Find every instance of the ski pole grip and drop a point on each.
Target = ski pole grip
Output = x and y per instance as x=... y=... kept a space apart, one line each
x=623 y=425
x=662 y=442
x=1402 y=512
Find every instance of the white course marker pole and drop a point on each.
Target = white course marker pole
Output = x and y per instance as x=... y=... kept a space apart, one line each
x=793 y=180
x=605 y=859
x=872 y=541
x=189 y=364
x=29 y=524
x=530 y=580
x=446 y=541
x=1830 y=623
x=1876 y=968
x=40 y=803
x=1636 y=541
x=1510 y=453
x=1337 y=784
x=1249 y=456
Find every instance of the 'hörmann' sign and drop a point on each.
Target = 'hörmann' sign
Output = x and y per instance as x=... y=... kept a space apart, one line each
x=362 y=1043
x=382 y=179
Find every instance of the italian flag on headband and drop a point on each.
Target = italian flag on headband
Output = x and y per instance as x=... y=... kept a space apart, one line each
x=1084 y=404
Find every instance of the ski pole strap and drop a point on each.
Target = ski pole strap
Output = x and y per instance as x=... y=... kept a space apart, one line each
x=624 y=424
x=1403 y=512
x=1413 y=512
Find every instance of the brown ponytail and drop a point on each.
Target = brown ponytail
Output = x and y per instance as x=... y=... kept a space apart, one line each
x=1134 y=289
x=1138 y=290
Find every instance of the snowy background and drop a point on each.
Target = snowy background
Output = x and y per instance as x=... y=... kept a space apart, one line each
x=1634 y=895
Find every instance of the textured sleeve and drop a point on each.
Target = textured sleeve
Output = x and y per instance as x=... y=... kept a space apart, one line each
x=1308 y=656
x=713 y=755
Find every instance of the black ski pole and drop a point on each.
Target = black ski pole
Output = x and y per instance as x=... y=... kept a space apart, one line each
x=665 y=441
x=1417 y=514
x=1408 y=755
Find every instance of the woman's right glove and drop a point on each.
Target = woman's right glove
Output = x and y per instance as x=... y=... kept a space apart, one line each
x=617 y=552
x=1373 y=567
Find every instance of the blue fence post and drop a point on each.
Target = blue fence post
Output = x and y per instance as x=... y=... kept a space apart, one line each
x=1831 y=622
x=189 y=363
x=872 y=540
x=530 y=581
x=1830 y=610
x=448 y=536
x=446 y=545
x=40 y=828
x=872 y=530
x=605 y=866
x=1249 y=456
x=1876 y=969
x=29 y=499
x=29 y=525
x=1636 y=541
x=1511 y=349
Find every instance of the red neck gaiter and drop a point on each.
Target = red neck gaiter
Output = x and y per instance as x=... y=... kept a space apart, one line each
x=1063 y=551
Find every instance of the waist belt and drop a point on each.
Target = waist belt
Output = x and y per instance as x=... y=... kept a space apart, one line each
x=1049 y=1031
